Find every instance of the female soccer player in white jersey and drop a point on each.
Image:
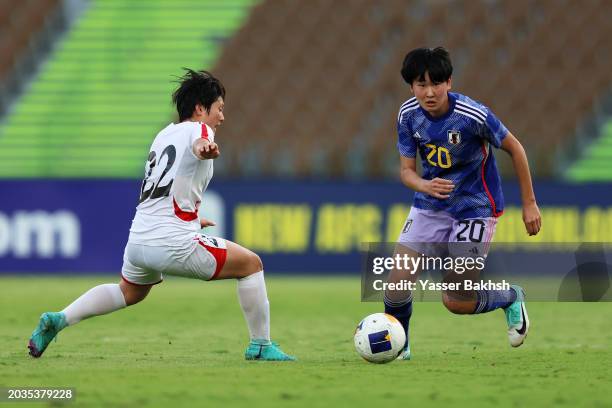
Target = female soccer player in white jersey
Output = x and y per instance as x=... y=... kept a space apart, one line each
x=165 y=235
x=458 y=197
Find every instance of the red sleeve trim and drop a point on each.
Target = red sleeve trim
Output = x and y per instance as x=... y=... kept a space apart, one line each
x=204 y=133
x=184 y=215
x=484 y=183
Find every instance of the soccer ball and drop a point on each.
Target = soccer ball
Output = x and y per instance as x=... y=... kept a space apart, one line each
x=379 y=338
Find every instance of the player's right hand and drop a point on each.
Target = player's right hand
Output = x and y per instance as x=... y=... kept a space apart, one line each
x=438 y=188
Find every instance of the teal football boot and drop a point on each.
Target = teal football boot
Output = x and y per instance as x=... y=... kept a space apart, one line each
x=265 y=350
x=405 y=353
x=517 y=319
x=49 y=325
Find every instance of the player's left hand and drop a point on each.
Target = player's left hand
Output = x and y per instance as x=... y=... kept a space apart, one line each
x=206 y=223
x=205 y=149
x=532 y=218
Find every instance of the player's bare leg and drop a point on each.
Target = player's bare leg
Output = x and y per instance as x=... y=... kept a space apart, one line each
x=512 y=301
x=460 y=301
x=99 y=300
x=246 y=266
x=133 y=293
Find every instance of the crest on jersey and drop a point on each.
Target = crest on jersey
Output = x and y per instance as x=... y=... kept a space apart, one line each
x=454 y=137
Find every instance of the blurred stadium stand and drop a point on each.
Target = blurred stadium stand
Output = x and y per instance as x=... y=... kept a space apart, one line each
x=27 y=31
x=105 y=91
x=317 y=84
x=313 y=86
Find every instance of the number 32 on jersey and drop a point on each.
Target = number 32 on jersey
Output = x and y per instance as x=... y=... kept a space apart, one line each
x=151 y=187
x=438 y=156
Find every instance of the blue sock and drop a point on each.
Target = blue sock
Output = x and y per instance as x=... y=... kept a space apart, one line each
x=489 y=300
x=401 y=310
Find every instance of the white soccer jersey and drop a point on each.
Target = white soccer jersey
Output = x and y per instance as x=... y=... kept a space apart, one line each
x=171 y=192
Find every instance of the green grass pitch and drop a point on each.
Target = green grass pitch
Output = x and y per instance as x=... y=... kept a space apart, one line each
x=184 y=345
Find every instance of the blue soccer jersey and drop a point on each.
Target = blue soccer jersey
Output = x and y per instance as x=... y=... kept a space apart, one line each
x=456 y=147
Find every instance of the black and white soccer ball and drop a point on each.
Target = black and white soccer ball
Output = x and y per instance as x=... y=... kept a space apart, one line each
x=379 y=338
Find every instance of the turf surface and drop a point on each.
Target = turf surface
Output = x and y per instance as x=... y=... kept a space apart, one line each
x=184 y=345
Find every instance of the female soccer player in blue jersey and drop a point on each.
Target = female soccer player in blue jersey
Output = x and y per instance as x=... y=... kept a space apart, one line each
x=458 y=197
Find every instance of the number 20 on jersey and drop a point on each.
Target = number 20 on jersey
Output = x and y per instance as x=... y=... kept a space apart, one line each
x=438 y=156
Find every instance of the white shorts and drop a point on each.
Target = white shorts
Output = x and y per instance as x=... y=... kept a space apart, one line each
x=145 y=265
x=427 y=231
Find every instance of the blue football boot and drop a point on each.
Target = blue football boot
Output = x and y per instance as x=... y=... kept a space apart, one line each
x=265 y=350
x=49 y=325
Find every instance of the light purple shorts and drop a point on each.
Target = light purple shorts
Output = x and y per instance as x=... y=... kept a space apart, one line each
x=426 y=231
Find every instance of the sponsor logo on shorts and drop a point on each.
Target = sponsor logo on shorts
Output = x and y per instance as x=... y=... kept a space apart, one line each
x=211 y=241
x=407 y=226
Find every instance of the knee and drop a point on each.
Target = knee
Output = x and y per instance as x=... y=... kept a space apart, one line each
x=254 y=263
x=134 y=294
x=132 y=299
x=457 y=306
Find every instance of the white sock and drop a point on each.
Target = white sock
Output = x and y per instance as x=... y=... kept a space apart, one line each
x=253 y=299
x=96 y=301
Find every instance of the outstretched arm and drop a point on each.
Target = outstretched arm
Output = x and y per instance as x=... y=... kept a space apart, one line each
x=438 y=187
x=205 y=149
x=531 y=212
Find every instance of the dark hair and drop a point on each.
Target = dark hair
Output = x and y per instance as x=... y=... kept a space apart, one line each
x=199 y=87
x=436 y=61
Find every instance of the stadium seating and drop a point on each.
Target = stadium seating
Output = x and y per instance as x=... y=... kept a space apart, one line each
x=19 y=21
x=316 y=84
x=105 y=92
x=313 y=86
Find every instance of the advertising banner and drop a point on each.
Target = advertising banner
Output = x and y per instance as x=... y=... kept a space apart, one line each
x=82 y=226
